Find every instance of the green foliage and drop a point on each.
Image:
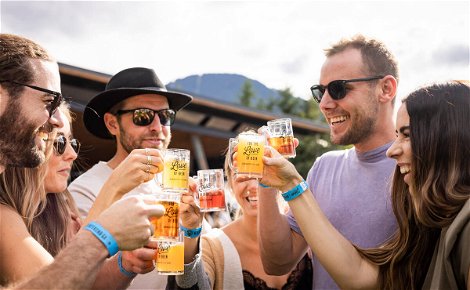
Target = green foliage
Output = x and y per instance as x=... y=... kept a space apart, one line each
x=247 y=93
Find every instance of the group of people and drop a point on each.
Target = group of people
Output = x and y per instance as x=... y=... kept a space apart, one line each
x=360 y=220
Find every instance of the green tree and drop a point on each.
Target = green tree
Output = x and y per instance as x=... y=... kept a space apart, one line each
x=288 y=103
x=247 y=94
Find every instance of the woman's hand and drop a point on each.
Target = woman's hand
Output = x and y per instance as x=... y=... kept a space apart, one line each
x=191 y=216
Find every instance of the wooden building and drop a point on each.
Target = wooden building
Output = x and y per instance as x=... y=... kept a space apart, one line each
x=204 y=126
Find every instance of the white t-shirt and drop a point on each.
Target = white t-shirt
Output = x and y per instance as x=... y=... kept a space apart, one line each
x=85 y=189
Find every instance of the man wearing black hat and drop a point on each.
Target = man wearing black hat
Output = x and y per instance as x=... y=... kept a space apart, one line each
x=137 y=111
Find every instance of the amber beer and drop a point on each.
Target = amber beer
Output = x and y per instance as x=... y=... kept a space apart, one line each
x=176 y=169
x=170 y=258
x=283 y=145
x=167 y=226
x=250 y=155
x=281 y=137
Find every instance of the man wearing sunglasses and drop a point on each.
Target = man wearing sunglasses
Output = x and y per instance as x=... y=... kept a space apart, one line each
x=137 y=111
x=29 y=98
x=358 y=83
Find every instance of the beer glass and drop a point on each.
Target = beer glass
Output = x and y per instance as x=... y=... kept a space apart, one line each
x=210 y=187
x=281 y=137
x=249 y=154
x=176 y=169
x=167 y=226
x=169 y=259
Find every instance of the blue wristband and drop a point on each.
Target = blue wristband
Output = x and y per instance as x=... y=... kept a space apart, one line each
x=121 y=268
x=191 y=233
x=262 y=185
x=296 y=191
x=104 y=236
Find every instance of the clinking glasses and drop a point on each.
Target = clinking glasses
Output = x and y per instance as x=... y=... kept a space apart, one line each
x=337 y=89
x=144 y=117
x=52 y=106
x=60 y=143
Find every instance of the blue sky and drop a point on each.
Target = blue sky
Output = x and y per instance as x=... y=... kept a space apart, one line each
x=279 y=43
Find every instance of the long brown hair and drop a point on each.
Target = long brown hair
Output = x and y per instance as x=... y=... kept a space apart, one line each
x=47 y=215
x=440 y=144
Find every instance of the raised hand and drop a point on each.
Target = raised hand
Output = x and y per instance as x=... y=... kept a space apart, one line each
x=140 y=166
x=191 y=216
x=128 y=220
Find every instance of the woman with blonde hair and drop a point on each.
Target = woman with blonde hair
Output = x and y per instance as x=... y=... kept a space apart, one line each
x=231 y=255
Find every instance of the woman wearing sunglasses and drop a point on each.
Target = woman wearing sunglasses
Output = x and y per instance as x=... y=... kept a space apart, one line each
x=39 y=216
x=430 y=199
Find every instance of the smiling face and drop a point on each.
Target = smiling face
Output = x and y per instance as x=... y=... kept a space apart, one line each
x=401 y=147
x=131 y=136
x=246 y=194
x=59 y=166
x=352 y=119
x=21 y=121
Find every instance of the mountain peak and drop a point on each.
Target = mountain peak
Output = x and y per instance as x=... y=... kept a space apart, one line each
x=221 y=86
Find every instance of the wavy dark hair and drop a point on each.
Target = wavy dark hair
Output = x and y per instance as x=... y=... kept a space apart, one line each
x=440 y=144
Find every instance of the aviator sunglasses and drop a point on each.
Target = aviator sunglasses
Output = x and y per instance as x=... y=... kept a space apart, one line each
x=53 y=105
x=337 y=89
x=60 y=143
x=144 y=117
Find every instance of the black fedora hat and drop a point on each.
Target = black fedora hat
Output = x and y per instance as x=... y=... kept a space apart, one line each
x=125 y=84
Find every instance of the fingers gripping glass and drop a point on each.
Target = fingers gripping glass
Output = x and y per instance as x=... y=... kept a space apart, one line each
x=144 y=117
x=337 y=89
x=60 y=144
x=53 y=105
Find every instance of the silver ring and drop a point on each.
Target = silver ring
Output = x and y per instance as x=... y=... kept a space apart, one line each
x=149 y=160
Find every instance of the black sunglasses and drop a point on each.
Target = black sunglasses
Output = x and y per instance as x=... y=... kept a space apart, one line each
x=52 y=107
x=337 y=89
x=144 y=117
x=60 y=143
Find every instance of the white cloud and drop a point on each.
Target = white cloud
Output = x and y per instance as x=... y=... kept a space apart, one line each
x=278 y=43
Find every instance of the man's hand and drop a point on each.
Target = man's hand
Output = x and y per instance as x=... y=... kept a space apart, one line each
x=140 y=261
x=128 y=220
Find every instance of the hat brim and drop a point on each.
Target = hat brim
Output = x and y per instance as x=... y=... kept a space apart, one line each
x=93 y=116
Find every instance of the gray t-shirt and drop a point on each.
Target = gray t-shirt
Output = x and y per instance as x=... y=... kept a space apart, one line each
x=353 y=190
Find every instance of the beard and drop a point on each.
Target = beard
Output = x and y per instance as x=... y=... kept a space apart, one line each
x=129 y=143
x=17 y=142
x=362 y=124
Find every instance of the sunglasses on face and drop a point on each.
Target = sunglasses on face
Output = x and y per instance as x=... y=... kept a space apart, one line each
x=144 y=117
x=60 y=144
x=337 y=89
x=53 y=105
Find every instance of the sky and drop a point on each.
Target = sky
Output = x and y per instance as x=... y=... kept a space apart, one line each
x=279 y=43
